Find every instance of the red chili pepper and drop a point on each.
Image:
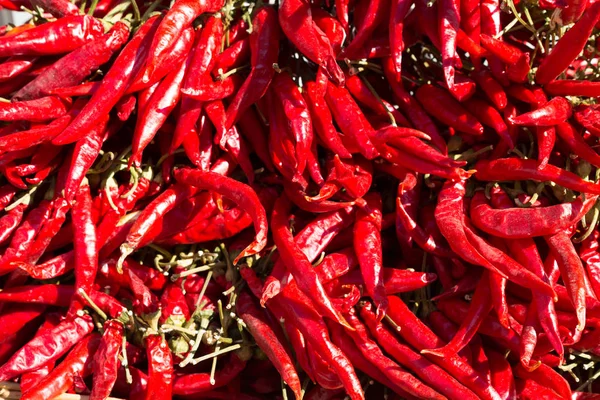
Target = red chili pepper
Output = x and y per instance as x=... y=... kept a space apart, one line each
x=555 y=112
x=58 y=8
x=342 y=12
x=15 y=66
x=517 y=169
x=268 y=341
x=437 y=102
x=73 y=68
x=521 y=223
x=58 y=37
x=264 y=48
x=241 y=194
x=296 y=22
x=106 y=360
x=568 y=47
x=332 y=28
x=49 y=346
x=160 y=368
x=448 y=25
x=573 y=88
x=78 y=363
x=179 y=17
x=489 y=116
x=11 y=221
x=157 y=109
x=400 y=9
x=546 y=377
x=509 y=55
x=232 y=57
x=200 y=382
x=426 y=370
x=114 y=84
x=367 y=243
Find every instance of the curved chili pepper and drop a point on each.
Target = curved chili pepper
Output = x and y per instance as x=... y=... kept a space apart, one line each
x=568 y=47
x=268 y=341
x=296 y=22
x=11 y=221
x=179 y=17
x=42 y=109
x=433 y=375
x=400 y=9
x=546 y=377
x=419 y=336
x=15 y=66
x=367 y=242
x=241 y=194
x=49 y=346
x=58 y=37
x=74 y=67
x=555 y=112
x=264 y=49
x=106 y=360
x=332 y=28
x=573 y=88
x=440 y=104
x=521 y=223
x=297 y=262
x=114 y=84
x=481 y=305
x=58 y=8
x=448 y=25
x=518 y=169
x=160 y=367
x=78 y=363
x=488 y=116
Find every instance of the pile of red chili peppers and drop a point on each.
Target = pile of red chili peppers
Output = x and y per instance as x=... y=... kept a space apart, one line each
x=322 y=200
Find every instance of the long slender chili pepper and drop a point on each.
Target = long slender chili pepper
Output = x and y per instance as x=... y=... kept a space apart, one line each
x=576 y=144
x=48 y=346
x=400 y=9
x=419 y=336
x=11 y=221
x=568 y=47
x=432 y=374
x=106 y=360
x=58 y=8
x=520 y=223
x=448 y=25
x=160 y=367
x=58 y=37
x=373 y=353
x=295 y=19
x=367 y=242
x=268 y=341
x=239 y=193
x=481 y=305
x=572 y=271
x=505 y=169
x=78 y=363
x=573 y=88
x=297 y=262
x=114 y=84
x=179 y=17
x=264 y=49
x=74 y=67
x=15 y=66
x=555 y=112
x=196 y=383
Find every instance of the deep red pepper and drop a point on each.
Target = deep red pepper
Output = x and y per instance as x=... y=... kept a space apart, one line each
x=200 y=382
x=58 y=37
x=106 y=360
x=160 y=368
x=58 y=8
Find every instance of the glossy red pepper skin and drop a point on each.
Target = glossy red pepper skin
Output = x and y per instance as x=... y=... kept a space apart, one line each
x=573 y=88
x=264 y=49
x=58 y=8
x=295 y=19
x=160 y=367
x=197 y=383
x=58 y=37
x=106 y=360
x=78 y=363
x=71 y=69
x=47 y=347
x=115 y=83
x=177 y=19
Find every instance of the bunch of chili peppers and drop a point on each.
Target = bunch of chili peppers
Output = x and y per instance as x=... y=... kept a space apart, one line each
x=320 y=200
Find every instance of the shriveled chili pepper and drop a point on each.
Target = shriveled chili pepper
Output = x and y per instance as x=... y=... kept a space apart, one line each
x=488 y=116
x=264 y=49
x=160 y=367
x=241 y=194
x=74 y=67
x=78 y=363
x=268 y=341
x=115 y=83
x=58 y=8
x=200 y=382
x=48 y=346
x=106 y=360
x=61 y=36
x=519 y=223
x=295 y=19
x=400 y=9
x=440 y=104
x=568 y=47
x=448 y=25
x=11 y=221
x=518 y=169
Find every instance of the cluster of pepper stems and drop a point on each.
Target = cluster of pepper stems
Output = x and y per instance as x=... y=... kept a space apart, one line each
x=418 y=182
